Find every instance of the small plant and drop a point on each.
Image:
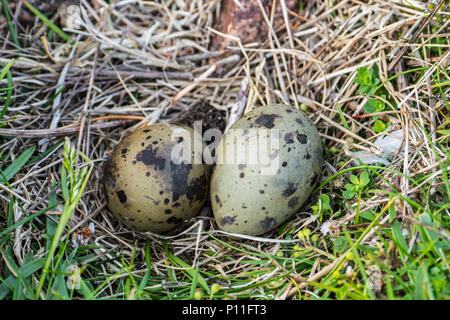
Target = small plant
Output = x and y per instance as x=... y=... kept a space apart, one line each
x=379 y=126
x=369 y=84
x=356 y=186
x=322 y=207
x=368 y=80
x=374 y=105
x=73 y=182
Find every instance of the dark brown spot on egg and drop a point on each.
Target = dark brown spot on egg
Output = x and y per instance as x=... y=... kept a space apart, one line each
x=218 y=201
x=171 y=220
x=122 y=196
x=149 y=157
x=147 y=174
x=176 y=204
x=289 y=138
x=166 y=201
x=268 y=223
x=124 y=150
x=227 y=220
x=146 y=130
x=241 y=175
x=299 y=121
x=293 y=202
x=242 y=166
x=261 y=191
x=284 y=164
x=291 y=188
x=266 y=120
x=307 y=156
x=167 y=211
x=303 y=139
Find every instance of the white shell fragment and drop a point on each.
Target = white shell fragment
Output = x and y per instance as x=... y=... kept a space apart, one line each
x=390 y=144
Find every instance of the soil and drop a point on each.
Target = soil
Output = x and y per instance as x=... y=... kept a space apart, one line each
x=211 y=117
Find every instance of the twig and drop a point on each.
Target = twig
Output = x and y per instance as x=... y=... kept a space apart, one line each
x=39 y=133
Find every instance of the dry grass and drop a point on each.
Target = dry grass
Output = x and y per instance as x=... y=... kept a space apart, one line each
x=150 y=59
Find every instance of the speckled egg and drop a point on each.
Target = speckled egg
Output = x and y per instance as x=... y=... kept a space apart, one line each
x=268 y=164
x=155 y=179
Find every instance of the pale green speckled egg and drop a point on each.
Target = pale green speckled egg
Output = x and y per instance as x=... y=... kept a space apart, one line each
x=252 y=198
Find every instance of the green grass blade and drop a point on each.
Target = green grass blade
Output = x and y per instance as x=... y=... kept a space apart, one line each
x=399 y=239
x=25 y=220
x=189 y=270
x=50 y=100
x=45 y=153
x=8 y=95
x=194 y=284
x=148 y=263
x=6 y=69
x=10 y=24
x=50 y=24
x=17 y=164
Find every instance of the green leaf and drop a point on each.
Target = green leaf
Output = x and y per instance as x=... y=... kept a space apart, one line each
x=354 y=179
x=347 y=194
x=373 y=87
x=422 y=284
x=18 y=295
x=31 y=267
x=349 y=187
x=17 y=164
x=398 y=238
x=364 y=178
x=325 y=201
x=86 y=289
x=364 y=76
x=6 y=286
x=379 y=126
x=6 y=69
x=367 y=215
x=374 y=105
x=341 y=116
x=340 y=244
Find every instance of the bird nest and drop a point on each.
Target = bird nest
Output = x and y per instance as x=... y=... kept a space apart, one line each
x=124 y=64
